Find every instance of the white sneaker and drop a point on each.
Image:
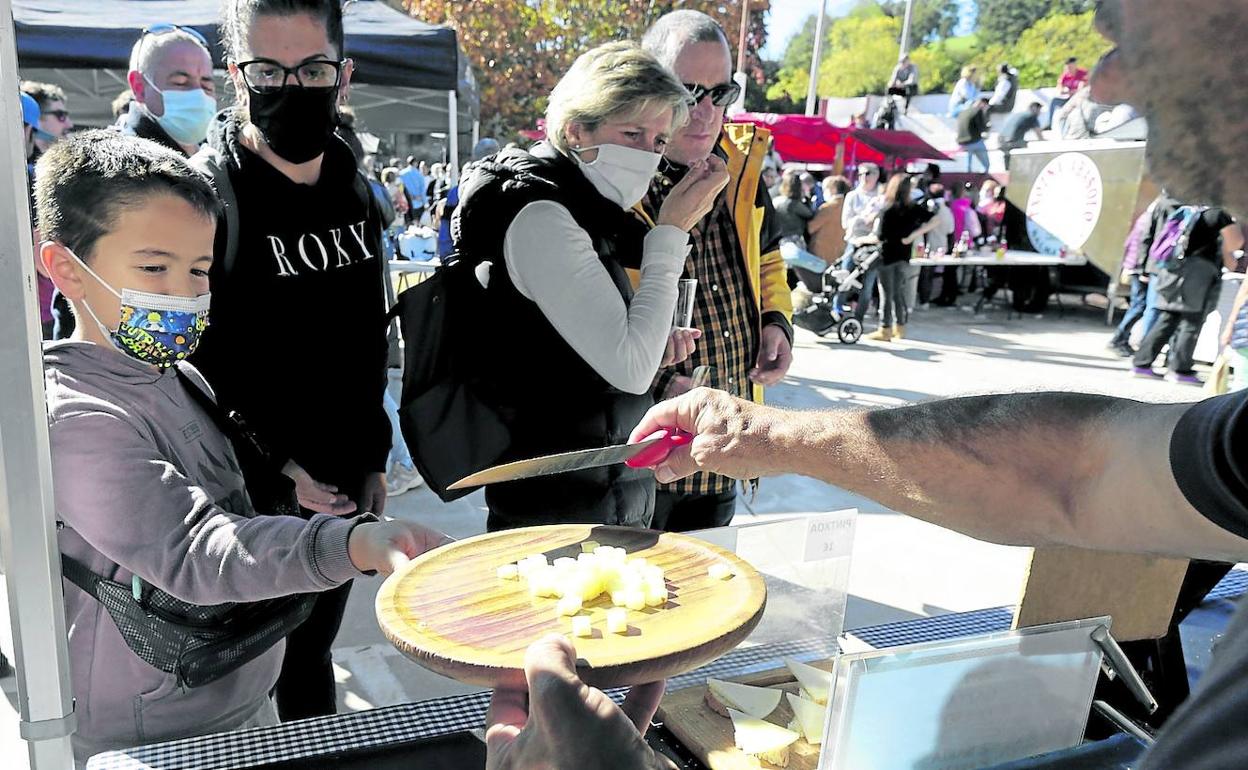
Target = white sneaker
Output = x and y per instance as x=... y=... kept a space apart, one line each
x=401 y=479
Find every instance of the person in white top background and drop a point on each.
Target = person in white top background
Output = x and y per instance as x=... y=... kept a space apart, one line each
x=573 y=349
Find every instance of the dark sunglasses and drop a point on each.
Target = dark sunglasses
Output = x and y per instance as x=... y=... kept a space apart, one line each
x=164 y=29
x=61 y=115
x=721 y=95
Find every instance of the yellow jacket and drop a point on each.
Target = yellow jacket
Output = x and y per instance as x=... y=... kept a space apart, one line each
x=746 y=146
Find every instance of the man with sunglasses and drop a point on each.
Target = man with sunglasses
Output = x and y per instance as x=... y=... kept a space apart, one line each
x=53 y=115
x=742 y=305
x=174 y=93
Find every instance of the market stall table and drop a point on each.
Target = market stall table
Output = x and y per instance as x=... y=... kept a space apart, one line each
x=367 y=738
x=1011 y=258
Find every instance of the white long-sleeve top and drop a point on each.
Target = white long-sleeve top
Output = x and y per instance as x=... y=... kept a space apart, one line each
x=551 y=261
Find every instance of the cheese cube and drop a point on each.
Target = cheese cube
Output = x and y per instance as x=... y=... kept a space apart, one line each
x=617 y=620
x=564 y=562
x=585 y=558
x=581 y=626
x=588 y=546
x=656 y=594
x=719 y=571
x=508 y=572
x=635 y=599
x=619 y=597
x=569 y=605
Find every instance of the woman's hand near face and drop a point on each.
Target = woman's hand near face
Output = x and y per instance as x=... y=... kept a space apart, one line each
x=694 y=195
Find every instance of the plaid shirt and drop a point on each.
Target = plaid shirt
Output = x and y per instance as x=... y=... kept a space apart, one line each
x=724 y=309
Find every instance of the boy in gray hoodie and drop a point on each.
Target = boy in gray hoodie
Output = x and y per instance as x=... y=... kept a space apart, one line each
x=146 y=483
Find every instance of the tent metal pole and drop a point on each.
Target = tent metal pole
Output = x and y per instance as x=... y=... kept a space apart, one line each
x=812 y=90
x=452 y=134
x=33 y=571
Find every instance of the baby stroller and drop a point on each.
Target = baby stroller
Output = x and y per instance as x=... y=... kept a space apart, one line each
x=834 y=291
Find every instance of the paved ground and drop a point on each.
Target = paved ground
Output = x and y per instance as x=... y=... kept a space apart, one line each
x=902 y=568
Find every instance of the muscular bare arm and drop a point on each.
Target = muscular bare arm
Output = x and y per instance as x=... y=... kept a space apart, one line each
x=1022 y=469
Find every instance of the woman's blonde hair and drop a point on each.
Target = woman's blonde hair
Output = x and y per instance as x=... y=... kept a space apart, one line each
x=613 y=81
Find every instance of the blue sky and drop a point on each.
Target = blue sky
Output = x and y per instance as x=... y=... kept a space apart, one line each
x=787 y=16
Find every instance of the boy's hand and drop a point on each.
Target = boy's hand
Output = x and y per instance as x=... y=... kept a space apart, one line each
x=384 y=546
x=373 y=493
x=315 y=496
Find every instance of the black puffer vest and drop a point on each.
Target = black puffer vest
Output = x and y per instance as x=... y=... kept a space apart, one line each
x=551 y=399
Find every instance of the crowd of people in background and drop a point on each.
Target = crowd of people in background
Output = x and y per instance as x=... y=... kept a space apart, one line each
x=289 y=211
x=878 y=225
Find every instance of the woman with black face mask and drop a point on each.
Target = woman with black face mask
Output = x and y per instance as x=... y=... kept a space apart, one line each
x=297 y=344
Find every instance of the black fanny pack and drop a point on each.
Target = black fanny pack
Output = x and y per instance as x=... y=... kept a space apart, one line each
x=197 y=643
x=202 y=643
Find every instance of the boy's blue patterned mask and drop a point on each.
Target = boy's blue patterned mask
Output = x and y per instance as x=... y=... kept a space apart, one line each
x=157 y=329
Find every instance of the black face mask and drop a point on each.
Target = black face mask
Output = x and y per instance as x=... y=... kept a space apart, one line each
x=296 y=122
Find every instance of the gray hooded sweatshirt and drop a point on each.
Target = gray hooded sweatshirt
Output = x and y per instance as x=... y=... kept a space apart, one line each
x=147 y=485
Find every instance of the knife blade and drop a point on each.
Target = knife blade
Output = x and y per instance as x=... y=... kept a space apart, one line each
x=652 y=450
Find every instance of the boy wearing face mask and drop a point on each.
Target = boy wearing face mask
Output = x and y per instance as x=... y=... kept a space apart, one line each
x=149 y=490
x=174 y=93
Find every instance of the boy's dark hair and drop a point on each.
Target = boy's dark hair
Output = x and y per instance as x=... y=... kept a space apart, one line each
x=84 y=181
x=44 y=93
x=238 y=15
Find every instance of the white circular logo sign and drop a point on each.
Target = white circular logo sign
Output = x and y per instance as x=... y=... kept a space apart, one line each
x=1065 y=203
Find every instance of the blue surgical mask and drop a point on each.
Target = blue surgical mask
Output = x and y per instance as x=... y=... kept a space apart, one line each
x=157 y=329
x=187 y=114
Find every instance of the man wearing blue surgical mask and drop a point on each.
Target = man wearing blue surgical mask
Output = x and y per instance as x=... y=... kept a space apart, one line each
x=174 y=93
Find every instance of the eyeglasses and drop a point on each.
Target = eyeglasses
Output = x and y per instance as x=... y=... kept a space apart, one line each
x=267 y=76
x=164 y=29
x=61 y=115
x=721 y=95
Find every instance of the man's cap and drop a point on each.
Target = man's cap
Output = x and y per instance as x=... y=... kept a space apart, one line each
x=31 y=115
x=485 y=148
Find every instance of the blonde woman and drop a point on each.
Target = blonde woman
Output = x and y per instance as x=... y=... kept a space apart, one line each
x=965 y=91
x=573 y=349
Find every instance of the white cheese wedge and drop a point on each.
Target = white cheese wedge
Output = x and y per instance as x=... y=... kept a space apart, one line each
x=816 y=682
x=763 y=739
x=756 y=701
x=809 y=716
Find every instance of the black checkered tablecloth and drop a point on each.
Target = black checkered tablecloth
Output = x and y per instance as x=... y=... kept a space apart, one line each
x=413 y=721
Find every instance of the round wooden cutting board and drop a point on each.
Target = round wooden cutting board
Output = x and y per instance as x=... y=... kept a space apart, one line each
x=450 y=612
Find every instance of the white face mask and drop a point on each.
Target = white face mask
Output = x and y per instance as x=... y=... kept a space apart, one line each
x=621 y=174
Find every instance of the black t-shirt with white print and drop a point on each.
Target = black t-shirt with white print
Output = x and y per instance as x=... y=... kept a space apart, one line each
x=296 y=341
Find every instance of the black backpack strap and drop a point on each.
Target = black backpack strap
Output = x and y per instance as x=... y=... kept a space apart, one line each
x=212 y=162
x=77 y=573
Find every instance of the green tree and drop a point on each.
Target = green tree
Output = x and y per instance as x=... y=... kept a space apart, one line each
x=1003 y=21
x=757 y=98
x=940 y=63
x=518 y=49
x=1042 y=49
x=859 y=53
x=930 y=20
